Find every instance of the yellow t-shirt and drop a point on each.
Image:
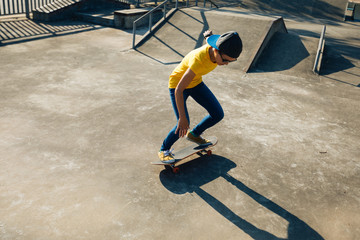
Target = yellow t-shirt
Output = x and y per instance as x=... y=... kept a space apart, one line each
x=198 y=60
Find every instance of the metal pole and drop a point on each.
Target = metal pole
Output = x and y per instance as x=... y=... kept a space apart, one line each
x=165 y=11
x=27 y=9
x=150 y=22
x=134 y=33
x=316 y=68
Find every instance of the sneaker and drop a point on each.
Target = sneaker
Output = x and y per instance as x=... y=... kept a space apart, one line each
x=166 y=155
x=199 y=140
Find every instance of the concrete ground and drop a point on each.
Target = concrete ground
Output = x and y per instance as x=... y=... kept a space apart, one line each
x=82 y=116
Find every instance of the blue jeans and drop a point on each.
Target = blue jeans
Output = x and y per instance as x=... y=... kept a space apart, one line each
x=203 y=96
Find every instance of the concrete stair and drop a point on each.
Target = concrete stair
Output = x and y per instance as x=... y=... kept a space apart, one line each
x=93 y=11
x=56 y=11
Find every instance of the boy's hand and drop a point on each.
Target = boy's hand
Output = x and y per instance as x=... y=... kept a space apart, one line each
x=183 y=126
x=207 y=33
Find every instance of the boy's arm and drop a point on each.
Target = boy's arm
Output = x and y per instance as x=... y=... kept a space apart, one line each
x=183 y=124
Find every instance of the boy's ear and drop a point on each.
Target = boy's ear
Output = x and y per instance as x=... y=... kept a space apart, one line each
x=217 y=52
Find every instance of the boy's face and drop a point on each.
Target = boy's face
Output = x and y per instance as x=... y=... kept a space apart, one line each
x=223 y=59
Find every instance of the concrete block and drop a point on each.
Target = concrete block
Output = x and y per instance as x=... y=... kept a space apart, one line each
x=125 y=18
x=357 y=12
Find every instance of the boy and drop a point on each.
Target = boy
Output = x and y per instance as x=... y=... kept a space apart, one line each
x=186 y=80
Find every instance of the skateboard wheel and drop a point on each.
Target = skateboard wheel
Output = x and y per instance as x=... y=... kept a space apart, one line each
x=176 y=170
x=209 y=152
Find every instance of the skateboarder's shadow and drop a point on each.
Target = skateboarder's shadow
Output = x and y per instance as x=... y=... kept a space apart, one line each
x=203 y=170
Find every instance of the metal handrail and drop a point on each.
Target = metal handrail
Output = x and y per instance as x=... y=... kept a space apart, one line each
x=210 y=1
x=150 y=18
x=163 y=4
x=318 y=57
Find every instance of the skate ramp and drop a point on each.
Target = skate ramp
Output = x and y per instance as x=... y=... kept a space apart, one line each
x=267 y=45
x=289 y=54
x=183 y=33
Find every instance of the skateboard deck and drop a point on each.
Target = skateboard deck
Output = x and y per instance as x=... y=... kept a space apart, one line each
x=187 y=152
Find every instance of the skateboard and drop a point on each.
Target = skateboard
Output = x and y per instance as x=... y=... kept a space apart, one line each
x=186 y=152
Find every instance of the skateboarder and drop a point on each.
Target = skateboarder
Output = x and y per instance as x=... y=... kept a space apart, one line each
x=186 y=80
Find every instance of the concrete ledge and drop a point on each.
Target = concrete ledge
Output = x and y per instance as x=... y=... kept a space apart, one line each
x=357 y=11
x=352 y=12
x=106 y=20
x=125 y=18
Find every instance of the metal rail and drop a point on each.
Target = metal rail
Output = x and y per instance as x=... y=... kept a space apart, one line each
x=162 y=5
x=320 y=51
x=149 y=14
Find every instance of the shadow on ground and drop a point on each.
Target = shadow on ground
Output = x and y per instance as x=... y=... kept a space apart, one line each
x=336 y=57
x=175 y=30
x=339 y=57
x=203 y=170
x=283 y=52
x=333 y=10
x=23 y=30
